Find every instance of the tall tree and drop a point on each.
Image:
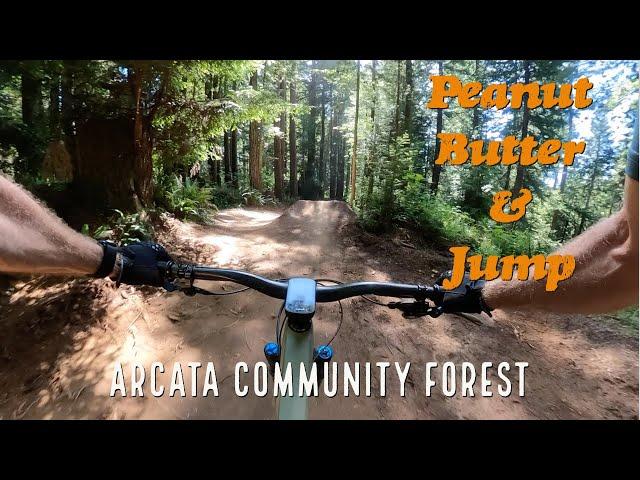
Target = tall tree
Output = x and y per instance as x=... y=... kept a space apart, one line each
x=519 y=181
x=352 y=192
x=388 y=199
x=226 y=157
x=436 y=169
x=234 y=157
x=333 y=147
x=321 y=162
x=408 y=102
x=602 y=159
x=342 y=148
x=31 y=95
x=310 y=184
x=55 y=78
x=369 y=170
x=293 y=160
x=557 y=214
x=280 y=147
x=255 y=145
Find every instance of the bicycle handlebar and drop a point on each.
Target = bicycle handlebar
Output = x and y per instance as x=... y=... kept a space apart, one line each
x=278 y=289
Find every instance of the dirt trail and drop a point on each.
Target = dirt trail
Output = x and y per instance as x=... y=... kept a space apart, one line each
x=59 y=341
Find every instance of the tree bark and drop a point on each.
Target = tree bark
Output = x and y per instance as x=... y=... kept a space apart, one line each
x=592 y=181
x=143 y=164
x=340 y=169
x=321 y=163
x=32 y=110
x=557 y=215
x=390 y=174
x=370 y=163
x=31 y=95
x=352 y=178
x=279 y=148
x=105 y=164
x=435 y=173
x=565 y=171
x=333 y=149
x=310 y=184
x=519 y=181
x=226 y=157
x=67 y=113
x=234 y=157
x=255 y=146
x=293 y=161
x=55 y=131
x=408 y=102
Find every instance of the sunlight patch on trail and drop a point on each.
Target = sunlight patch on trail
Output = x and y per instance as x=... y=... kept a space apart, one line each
x=226 y=248
x=248 y=218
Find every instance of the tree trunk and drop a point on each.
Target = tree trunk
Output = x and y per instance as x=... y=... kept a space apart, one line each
x=310 y=185
x=226 y=157
x=583 y=216
x=55 y=131
x=370 y=163
x=519 y=181
x=106 y=159
x=475 y=124
x=67 y=111
x=408 y=102
x=390 y=174
x=321 y=163
x=592 y=181
x=340 y=168
x=352 y=178
x=333 y=149
x=293 y=161
x=143 y=163
x=507 y=180
x=234 y=157
x=31 y=94
x=565 y=171
x=396 y=121
x=435 y=172
x=557 y=215
x=279 y=148
x=255 y=146
x=218 y=174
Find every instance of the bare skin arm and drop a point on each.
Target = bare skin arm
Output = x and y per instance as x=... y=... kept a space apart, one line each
x=606 y=274
x=34 y=240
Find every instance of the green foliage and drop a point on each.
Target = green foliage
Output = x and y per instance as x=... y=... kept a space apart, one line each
x=124 y=228
x=436 y=218
x=254 y=198
x=629 y=318
x=448 y=224
x=226 y=196
x=185 y=199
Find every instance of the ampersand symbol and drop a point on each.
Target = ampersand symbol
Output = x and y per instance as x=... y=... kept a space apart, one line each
x=517 y=208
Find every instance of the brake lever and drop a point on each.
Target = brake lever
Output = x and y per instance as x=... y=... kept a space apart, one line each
x=416 y=309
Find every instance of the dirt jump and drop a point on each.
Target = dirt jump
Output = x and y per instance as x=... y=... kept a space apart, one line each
x=60 y=339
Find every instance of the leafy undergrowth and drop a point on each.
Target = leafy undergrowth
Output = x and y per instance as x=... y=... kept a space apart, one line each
x=628 y=318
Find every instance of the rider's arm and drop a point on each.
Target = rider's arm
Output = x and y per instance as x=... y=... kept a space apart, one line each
x=606 y=273
x=34 y=240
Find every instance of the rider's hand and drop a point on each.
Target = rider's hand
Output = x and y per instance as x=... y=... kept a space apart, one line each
x=140 y=264
x=134 y=264
x=467 y=297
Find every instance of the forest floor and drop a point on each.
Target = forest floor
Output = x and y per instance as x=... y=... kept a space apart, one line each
x=59 y=339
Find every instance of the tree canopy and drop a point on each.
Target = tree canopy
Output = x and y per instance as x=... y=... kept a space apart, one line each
x=188 y=135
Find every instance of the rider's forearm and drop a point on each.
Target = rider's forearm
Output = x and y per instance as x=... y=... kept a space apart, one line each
x=34 y=240
x=605 y=277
